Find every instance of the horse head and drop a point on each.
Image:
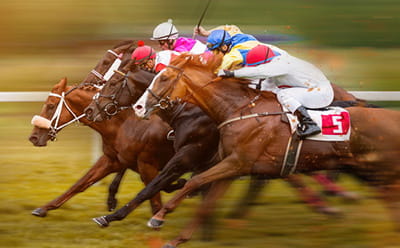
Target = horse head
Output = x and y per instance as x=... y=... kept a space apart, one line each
x=57 y=112
x=170 y=84
x=120 y=92
x=113 y=59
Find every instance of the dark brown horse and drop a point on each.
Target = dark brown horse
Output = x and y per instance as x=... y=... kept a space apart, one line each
x=127 y=141
x=195 y=135
x=257 y=145
x=196 y=141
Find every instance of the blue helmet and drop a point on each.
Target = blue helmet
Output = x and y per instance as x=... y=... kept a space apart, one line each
x=218 y=38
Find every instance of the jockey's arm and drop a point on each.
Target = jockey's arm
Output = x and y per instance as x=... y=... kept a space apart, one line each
x=231 y=60
x=272 y=69
x=231 y=29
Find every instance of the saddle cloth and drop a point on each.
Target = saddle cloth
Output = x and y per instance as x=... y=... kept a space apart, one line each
x=334 y=123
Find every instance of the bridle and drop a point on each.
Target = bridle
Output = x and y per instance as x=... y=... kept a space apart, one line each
x=115 y=65
x=113 y=107
x=53 y=122
x=165 y=103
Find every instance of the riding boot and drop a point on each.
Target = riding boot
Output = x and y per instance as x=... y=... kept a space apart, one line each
x=306 y=127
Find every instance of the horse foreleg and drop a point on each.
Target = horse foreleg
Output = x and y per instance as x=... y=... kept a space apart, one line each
x=98 y=171
x=175 y=168
x=147 y=173
x=256 y=185
x=227 y=168
x=203 y=213
x=113 y=189
x=310 y=197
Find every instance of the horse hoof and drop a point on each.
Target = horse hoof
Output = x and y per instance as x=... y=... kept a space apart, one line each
x=111 y=207
x=168 y=245
x=154 y=223
x=39 y=212
x=112 y=204
x=101 y=221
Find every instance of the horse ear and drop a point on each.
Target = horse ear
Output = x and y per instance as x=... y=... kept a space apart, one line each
x=60 y=86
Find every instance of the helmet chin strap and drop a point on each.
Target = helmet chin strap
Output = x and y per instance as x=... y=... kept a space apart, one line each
x=224 y=51
x=170 y=44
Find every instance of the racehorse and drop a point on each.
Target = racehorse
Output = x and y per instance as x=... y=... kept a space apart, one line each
x=195 y=134
x=127 y=141
x=257 y=145
x=194 y=131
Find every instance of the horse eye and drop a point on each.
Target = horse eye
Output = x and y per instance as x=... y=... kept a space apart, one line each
x=163 y=78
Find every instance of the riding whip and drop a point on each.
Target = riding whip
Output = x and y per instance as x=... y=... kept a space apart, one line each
x=201 y=17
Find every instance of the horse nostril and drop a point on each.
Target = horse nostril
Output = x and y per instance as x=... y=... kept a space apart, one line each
x=138 y=107
x=88 y=111
x=33 y=139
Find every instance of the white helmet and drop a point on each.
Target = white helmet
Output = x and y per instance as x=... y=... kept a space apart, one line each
x=165 y=31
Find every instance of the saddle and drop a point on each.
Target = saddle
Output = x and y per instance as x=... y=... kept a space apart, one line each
x=333 y=121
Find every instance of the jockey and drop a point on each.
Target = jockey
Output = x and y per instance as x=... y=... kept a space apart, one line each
x=168 y=37
x=297 y=83
x=147 y=58
x=230 y=41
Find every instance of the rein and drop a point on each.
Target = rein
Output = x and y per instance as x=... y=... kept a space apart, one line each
x=263 y=114
x=164 y=103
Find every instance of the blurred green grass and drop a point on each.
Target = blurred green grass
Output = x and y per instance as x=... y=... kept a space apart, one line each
x=32 y=176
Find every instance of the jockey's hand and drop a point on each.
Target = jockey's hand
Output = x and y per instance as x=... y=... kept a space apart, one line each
x=225 y=73
x=199 y=30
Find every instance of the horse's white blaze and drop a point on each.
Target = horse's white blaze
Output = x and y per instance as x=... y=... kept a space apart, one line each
x=114 y=66
x=140 y=105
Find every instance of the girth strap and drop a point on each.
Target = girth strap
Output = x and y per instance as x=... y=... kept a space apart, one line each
x=292 y=155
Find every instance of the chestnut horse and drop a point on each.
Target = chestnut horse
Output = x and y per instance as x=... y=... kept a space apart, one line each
x=257 y=145
x=127 y=141
x=194 y=131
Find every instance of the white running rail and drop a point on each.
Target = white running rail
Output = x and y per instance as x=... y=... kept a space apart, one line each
x=40 y=96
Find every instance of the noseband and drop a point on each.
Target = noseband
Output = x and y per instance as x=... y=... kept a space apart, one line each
x=165 y=102
x=113 y=107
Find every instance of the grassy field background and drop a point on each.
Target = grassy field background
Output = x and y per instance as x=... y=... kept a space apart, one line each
x=354 y=42
x=33 y=176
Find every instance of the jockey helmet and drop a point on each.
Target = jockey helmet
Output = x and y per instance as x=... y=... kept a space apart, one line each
x=165 y=31
x=259 y=55
x=218 y=38
x=143 y=53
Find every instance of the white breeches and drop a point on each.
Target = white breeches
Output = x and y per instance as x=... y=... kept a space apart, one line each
x=292 y=98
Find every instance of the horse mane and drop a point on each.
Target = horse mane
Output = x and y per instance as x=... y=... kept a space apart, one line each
x=123 y=43
x=206 y=61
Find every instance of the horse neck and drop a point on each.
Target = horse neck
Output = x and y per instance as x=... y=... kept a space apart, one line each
x=175 y=113
x=222 y=100
x=79 y=99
